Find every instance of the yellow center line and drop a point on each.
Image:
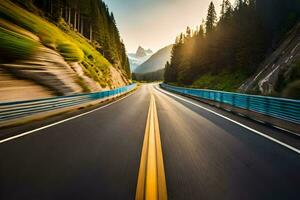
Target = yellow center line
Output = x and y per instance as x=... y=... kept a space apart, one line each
x=151 y=179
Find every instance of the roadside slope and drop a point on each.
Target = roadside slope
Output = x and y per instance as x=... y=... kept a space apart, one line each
x=279 y=74
x=59 y=60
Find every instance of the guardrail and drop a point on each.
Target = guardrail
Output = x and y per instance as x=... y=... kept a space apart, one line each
x=20 y=109
x=284 y=109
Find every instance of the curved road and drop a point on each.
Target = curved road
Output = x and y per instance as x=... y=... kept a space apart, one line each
x=97 y=155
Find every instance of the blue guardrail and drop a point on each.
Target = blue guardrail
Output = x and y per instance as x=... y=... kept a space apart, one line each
x=285 y=109
x=18 y=109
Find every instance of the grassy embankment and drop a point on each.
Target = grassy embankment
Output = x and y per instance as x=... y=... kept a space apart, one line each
x=22 y=32
x=225 y=81
x=288 y=87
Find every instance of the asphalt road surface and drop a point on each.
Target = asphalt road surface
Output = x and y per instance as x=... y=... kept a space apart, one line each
x=97 y=155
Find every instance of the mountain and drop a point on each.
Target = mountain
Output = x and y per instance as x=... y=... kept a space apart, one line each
x=149 y=51
x=136 y=59
x=59 y=47
x=156 y=62
x=279 y=74
x=141 y=52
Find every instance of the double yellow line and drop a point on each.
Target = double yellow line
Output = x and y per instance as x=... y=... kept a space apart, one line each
x=151 y=179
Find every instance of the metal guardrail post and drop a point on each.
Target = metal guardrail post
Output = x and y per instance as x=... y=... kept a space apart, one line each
x=221 y=98
x=267 y=104
x=233 y=100
x=247 y=102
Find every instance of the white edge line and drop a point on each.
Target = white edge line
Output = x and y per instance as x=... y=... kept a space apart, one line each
x=233 y=121
x=60 y=122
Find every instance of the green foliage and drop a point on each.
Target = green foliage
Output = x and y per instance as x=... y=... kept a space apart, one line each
x=226 y=11
x=96 y=66
x=292 y=90
x=238 y=43
x=288 y=86
x=295 y=72
x=15 y=46
x=48 y=33
x=27 y=4
x=83 y=85
x=226 y=81
x=70 y=52
x=278 y=16
x=211 y=18
x=150 y=76
x=96 y=23
x=17 y=41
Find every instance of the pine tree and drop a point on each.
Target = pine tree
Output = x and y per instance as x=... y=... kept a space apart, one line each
x=228 y=10
x=188 y=33
x=211 y=18
x=222 y=9
x=240 y=4
x=167 y=74
x=201 y=31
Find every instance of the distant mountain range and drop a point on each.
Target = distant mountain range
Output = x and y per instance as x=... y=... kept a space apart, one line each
x=156 y=62
x=141 y=55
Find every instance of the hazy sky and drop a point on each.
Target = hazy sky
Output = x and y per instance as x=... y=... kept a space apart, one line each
x=156 y=23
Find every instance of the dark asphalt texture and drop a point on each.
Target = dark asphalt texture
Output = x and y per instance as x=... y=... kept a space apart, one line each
x=97 y=156
x=208 y=157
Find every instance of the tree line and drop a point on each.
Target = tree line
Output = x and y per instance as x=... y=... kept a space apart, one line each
x=150 y=76
x=239 y=39
x=93 y=20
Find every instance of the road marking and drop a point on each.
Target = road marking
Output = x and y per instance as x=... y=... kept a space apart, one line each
x=233 y=121
x=60 y=122
x=151 y=178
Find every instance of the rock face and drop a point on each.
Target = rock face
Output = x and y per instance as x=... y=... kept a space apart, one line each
x=141 y=52
x=16 y=89
x=278 y=63
x=90 y=83
x=46 y=74
x=46 y=68
x=136 y=59
x=117 y=79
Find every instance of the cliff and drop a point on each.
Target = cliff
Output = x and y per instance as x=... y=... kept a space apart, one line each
x=280 y=72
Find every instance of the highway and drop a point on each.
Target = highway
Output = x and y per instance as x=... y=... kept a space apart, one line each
x=198 y=154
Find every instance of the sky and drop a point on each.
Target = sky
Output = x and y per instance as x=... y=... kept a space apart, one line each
x=156 y=23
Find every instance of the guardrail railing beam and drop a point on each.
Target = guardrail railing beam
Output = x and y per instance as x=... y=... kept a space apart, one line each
x=20 y=109
x=281 y=108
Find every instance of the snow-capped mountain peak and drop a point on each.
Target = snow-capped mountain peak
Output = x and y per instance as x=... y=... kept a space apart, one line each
x=139 y=57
